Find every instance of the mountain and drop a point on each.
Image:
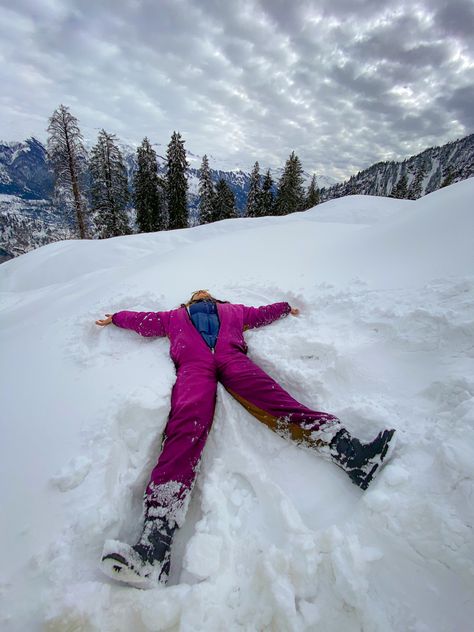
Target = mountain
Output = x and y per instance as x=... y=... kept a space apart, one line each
x=24 y=171
x=28 y=217
x=276 y=538
x=26 y=224
x=435 y=166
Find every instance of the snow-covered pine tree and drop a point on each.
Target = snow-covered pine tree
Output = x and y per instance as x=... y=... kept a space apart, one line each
x=109 y=187
x=149 y=191
x=176 y=182
x=291 y=195
x=251 y=209
x=400 y=190
x=265 y=201
x=415 y=188
x=312 y=195
x=448 y=177
x=68 y=157
x=206 y=193
x=224 y=202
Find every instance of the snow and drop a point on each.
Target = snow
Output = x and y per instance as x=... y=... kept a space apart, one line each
x=23 y=148
x=4 y=176
x=275 y=537
x=193 y=183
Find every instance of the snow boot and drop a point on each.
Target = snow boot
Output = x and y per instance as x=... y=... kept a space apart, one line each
x=361 y=460
x=147 y=563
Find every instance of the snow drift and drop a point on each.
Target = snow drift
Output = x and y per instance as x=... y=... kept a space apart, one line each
x=275 y=538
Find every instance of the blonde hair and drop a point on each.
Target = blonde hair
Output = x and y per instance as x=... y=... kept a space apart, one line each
x=191 y=300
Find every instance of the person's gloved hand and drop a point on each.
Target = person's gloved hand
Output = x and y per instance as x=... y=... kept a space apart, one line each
x=294 y=311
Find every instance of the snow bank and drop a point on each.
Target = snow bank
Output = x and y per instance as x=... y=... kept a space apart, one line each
x=275 y=538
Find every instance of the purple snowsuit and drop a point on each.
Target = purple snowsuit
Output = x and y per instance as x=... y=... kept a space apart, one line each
x=194 y=395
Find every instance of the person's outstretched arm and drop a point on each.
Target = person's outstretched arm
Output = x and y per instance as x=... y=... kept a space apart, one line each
x=260 y=316
x=144 y=323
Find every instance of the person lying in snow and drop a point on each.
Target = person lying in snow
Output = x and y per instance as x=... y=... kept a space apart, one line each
x=207 y=346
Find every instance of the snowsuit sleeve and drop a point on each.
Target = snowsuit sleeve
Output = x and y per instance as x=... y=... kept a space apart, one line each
x=144 y=323
x=259 y=316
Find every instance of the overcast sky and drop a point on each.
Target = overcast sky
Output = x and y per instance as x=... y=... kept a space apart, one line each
x=343 y=83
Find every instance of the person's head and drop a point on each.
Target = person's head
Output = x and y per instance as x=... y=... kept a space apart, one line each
x=201 y=295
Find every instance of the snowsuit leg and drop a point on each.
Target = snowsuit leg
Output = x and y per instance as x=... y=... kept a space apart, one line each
x=192 y=410
x=270 y=403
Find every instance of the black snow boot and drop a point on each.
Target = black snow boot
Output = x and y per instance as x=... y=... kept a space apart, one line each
x=361 y=460
x=144 y=564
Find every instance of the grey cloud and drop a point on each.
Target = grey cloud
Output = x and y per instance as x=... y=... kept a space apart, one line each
x=429 y=122
x=460 y=104
x=401 y=42
x=288 y=17
x=253 y=80
x=360 y=8
x=381 y=109
x=456 y=17
x=424 y=55
x=351 y=78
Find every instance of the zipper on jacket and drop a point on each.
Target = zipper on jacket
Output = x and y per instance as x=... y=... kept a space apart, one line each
x=211 y=349
x=218 y=330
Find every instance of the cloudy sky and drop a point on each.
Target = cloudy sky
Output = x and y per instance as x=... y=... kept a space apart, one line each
x=343 y=83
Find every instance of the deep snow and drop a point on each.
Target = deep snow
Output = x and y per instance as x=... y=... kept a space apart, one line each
x=275 y=538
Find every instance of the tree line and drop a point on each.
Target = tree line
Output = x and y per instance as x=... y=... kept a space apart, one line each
x=95 y=187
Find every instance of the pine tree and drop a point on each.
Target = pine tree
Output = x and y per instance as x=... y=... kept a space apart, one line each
x=415 y=189
x=149 y=191
x=224 y=202
x=206 y=193
x=68 y=157
x=109 y=187
x=265 y=201
x=176 y=182
x=400 y=191
x=448 y=177
x=313 y=194
x=291 y=196
x=251 y=209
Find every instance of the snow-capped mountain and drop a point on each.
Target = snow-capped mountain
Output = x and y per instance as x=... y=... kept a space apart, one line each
x=28 y=217
x=28 y=224
x=24 y=170
x=449 y=163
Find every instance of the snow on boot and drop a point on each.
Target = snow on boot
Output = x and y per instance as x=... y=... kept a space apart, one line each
x=361 y=460
x=145 y=564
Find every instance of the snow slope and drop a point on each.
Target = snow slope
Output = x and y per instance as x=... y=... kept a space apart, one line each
x=275 y=538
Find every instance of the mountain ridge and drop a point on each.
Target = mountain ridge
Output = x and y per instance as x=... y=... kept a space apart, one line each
x=29 y=217
x=435 y=164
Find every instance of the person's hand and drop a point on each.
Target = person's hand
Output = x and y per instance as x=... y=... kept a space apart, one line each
x=294 y=311
x=105 y=321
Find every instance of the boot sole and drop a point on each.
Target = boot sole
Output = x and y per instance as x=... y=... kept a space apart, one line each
x=385 y=456
x=116 y=567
